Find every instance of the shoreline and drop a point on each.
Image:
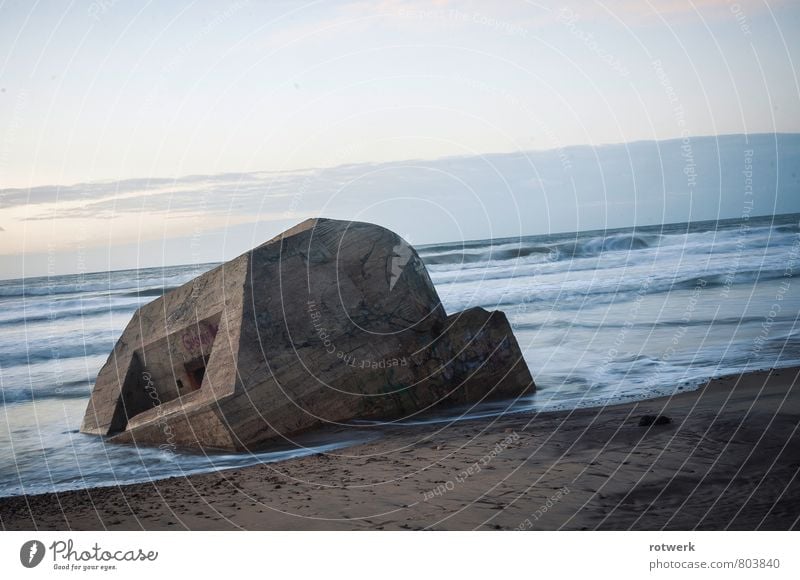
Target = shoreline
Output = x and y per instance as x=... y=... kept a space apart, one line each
x=729 y=459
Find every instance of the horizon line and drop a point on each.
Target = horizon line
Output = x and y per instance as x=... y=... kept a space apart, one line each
x=463 y=242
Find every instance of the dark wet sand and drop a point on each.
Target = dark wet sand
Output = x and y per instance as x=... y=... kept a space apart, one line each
x=729 y=460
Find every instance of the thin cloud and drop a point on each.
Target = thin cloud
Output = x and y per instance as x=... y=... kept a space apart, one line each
x=638 y=171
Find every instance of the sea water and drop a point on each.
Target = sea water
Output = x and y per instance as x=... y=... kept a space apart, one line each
x=602 y=317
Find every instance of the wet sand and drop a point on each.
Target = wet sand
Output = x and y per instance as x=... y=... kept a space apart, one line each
x=729 y=459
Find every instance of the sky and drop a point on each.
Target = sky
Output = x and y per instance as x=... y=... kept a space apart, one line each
x=144 y=133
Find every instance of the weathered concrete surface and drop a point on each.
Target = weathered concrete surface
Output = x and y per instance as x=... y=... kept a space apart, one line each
x=327 y=322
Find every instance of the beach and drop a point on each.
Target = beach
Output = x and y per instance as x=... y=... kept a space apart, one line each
x=728 y=459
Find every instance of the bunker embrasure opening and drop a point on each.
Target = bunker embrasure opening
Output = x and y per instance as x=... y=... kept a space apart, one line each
x=164 y=370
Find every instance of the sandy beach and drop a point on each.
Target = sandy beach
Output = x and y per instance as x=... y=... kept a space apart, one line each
x=728 y=459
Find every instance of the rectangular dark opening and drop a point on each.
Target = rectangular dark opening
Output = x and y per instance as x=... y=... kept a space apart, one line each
x=196 y=371
x=135 y=395
x=157 y=374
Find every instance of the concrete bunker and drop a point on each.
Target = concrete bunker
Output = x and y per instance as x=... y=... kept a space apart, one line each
x=328 y=322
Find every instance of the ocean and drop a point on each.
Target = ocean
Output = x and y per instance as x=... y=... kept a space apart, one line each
x=602 y=317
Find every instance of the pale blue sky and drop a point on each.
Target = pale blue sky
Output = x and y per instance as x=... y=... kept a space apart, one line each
x=108 y=91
